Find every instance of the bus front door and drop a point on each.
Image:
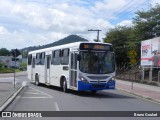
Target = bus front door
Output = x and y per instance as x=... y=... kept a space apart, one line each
x=33 y=69
x=73 y=70
x=47 y=69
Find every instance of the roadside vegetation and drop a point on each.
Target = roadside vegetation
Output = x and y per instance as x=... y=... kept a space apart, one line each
x=146 y=25
x=23 y=67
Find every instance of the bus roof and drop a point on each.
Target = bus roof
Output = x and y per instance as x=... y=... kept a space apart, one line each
x=75 y=44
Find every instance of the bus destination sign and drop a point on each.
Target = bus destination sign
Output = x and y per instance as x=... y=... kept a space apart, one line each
x=95 y=46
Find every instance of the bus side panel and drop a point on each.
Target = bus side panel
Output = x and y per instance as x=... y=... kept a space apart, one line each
x=56 y=73
x=41 y=72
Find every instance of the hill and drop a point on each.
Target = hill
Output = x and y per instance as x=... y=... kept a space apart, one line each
x=68 y=39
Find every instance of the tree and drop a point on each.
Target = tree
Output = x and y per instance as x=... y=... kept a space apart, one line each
x=147 y=23
x=24 y=54
x=23 y=66
x=1 y=64
x=4 y=52
x=124 y=39
x=120 y=38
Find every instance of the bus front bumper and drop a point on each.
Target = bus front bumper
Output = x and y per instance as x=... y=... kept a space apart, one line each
x=89 y=86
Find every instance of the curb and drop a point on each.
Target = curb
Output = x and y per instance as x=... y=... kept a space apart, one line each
x=139 y=95
x=11 y=99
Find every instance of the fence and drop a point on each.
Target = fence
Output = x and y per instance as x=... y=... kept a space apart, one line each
x=147 y=75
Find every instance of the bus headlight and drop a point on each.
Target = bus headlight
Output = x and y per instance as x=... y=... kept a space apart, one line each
x=110 y=81
x=82 y=78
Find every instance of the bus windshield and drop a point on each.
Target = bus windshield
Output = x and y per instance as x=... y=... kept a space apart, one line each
x=97 y=62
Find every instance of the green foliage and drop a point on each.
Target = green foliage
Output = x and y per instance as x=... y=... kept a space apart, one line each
x=4 y=52
x=1 y=65
x=6 y=70
x=121 y=37
x=124 y=39
x=148 y=23
x=23 y=66
x=24 y=54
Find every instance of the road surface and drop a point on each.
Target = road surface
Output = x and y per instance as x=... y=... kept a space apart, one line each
x=43 y=98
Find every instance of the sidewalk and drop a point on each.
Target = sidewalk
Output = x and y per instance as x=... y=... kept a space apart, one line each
x=142 y=90
x=7 y=90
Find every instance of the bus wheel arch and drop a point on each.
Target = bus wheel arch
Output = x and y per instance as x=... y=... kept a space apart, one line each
x=36 y=79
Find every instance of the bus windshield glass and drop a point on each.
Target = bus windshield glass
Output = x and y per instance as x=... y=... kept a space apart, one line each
x=97 y=62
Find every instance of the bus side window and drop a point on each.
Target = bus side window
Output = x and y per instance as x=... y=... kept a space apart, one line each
x=29 y=59
x=52 y=57
x=33 y=63
x=42 y=58
x=38 y=59
x=65 y=57
x=56 y=57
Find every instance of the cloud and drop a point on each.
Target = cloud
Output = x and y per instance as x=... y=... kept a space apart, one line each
x=36 y=22
x=23 y=38
x=127 y=23
x=3 y=30
x=153 y=2
x=107 y=8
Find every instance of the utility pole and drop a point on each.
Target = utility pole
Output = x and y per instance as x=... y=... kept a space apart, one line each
x=97 y=33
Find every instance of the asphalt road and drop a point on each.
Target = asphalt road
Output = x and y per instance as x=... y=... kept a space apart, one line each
x=43 y=98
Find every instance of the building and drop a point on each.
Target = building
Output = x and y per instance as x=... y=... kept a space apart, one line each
x=9 y=61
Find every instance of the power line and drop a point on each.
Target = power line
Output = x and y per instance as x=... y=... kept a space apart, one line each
x=122 y=9
x=97 y=33
x=131 y=10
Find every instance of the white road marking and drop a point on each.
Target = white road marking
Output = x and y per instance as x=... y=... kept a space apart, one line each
x=30 y=90
x=42 y=92
x=32 y=93
x=35 y=97
x=36 y=91
x=56 y=106
x=6 y=78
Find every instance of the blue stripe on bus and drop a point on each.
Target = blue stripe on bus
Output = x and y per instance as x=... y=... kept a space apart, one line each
x=88 y=86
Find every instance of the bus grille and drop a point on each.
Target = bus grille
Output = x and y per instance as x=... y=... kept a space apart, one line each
x=98 y=77
x=98 y=86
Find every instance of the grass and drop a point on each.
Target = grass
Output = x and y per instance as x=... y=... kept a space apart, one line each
x=8 y=70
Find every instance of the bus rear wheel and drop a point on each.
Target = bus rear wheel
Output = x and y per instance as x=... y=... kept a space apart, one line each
x=64 y=86
x=36 y=80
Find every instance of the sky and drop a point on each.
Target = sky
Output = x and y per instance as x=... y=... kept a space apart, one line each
x=25 y=23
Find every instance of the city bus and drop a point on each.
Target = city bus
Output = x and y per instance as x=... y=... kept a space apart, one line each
x=79 y=66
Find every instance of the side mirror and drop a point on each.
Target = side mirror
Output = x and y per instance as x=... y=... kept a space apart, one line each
x=78 y=57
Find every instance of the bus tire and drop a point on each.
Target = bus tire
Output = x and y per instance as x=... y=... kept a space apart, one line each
x=36 y=80
x=64 y=86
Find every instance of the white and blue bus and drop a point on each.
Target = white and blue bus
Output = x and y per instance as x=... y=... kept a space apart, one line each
x=77 y=66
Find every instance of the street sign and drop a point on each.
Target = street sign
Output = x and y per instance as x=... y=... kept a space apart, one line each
x=15 y=53
x=132 y=53
x=132 y=61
